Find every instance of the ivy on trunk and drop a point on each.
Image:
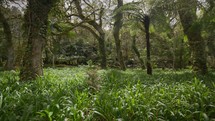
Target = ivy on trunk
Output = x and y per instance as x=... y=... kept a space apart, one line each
x=192 y=29
x=36 y=20
x=9 y=43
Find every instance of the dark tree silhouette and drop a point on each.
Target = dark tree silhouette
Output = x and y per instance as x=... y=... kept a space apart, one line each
x=9 y=44
x=146 y=22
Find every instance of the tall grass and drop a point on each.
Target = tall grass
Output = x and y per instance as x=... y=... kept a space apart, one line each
x=77 y=94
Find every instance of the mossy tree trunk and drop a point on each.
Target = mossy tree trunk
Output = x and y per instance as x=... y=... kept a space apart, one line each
x=116 y=30
x=181 y=60
x=102 y=50
x=9 y=43
x=136 y=51
x=192 y=29
x=36 y=20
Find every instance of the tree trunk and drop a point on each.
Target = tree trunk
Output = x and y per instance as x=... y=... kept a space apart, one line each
x=193 y=31
x=117 y=27
x=102 y=51
x=137 y=52
x=9 y=43
x=36 y=19
x=181 y=60
x=148 y=61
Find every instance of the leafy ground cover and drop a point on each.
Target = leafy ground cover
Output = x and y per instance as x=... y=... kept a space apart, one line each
x=81 y=93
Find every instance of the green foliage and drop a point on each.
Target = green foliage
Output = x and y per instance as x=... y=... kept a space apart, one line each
x=134 y=28
x=65 y=94
x=131 y=7
x=185 y=38
x=151 y=29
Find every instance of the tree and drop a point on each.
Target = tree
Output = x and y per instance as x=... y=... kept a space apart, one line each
x=192 y=29
x=208 y=21
x=136 y=51
x=189 y=15
x=146 y=22
x=36 y=21
x=167 y=35
x=91 y=20
x=116 y=30
x=136 y=11
x=9 y=43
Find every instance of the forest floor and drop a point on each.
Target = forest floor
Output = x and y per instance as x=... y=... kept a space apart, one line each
x=84 y=93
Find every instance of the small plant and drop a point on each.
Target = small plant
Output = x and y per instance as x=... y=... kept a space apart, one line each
x=90 y=63
x=46 y=114
x=93 y=80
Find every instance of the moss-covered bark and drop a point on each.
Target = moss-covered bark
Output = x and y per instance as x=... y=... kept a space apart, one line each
x=9 y=43
x=36 y=19
x=102 y=51
x=136 y=51
x=117 y=27
x=192 y=29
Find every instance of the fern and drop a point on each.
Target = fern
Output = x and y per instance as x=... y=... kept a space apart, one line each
x=128 y=8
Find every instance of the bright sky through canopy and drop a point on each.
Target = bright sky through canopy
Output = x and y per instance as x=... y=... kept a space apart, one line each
x=128 y=0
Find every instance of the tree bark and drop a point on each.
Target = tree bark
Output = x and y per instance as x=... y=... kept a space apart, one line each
x=181 y=60
x=9 y=43
x=137 y=52
x=148 y=61
x=102 y=51
x=36 y=20
x=116 y=30
x=192 y=29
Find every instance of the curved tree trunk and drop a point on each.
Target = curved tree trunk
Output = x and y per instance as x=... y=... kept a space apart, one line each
x=136 y=51
x=99 y=34
x=36 y=19
x=193 y=31
x=117 y=27
x=148 y=61
x=101 y=41
x=9 y=43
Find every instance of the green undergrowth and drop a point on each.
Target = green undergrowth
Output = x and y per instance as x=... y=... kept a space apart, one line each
x=81 y=93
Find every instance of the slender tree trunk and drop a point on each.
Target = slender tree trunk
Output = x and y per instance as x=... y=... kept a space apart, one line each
x=181 y=55
x=174 y=59
x=9 y=43
x=102 y=51
x=117 y=27
x=136 y=51
x=36 y=19
x=193 y=31
x=148 y=61
x=126 y=50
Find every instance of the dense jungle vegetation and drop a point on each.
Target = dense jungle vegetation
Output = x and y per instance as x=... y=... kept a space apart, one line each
x=107 y=60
